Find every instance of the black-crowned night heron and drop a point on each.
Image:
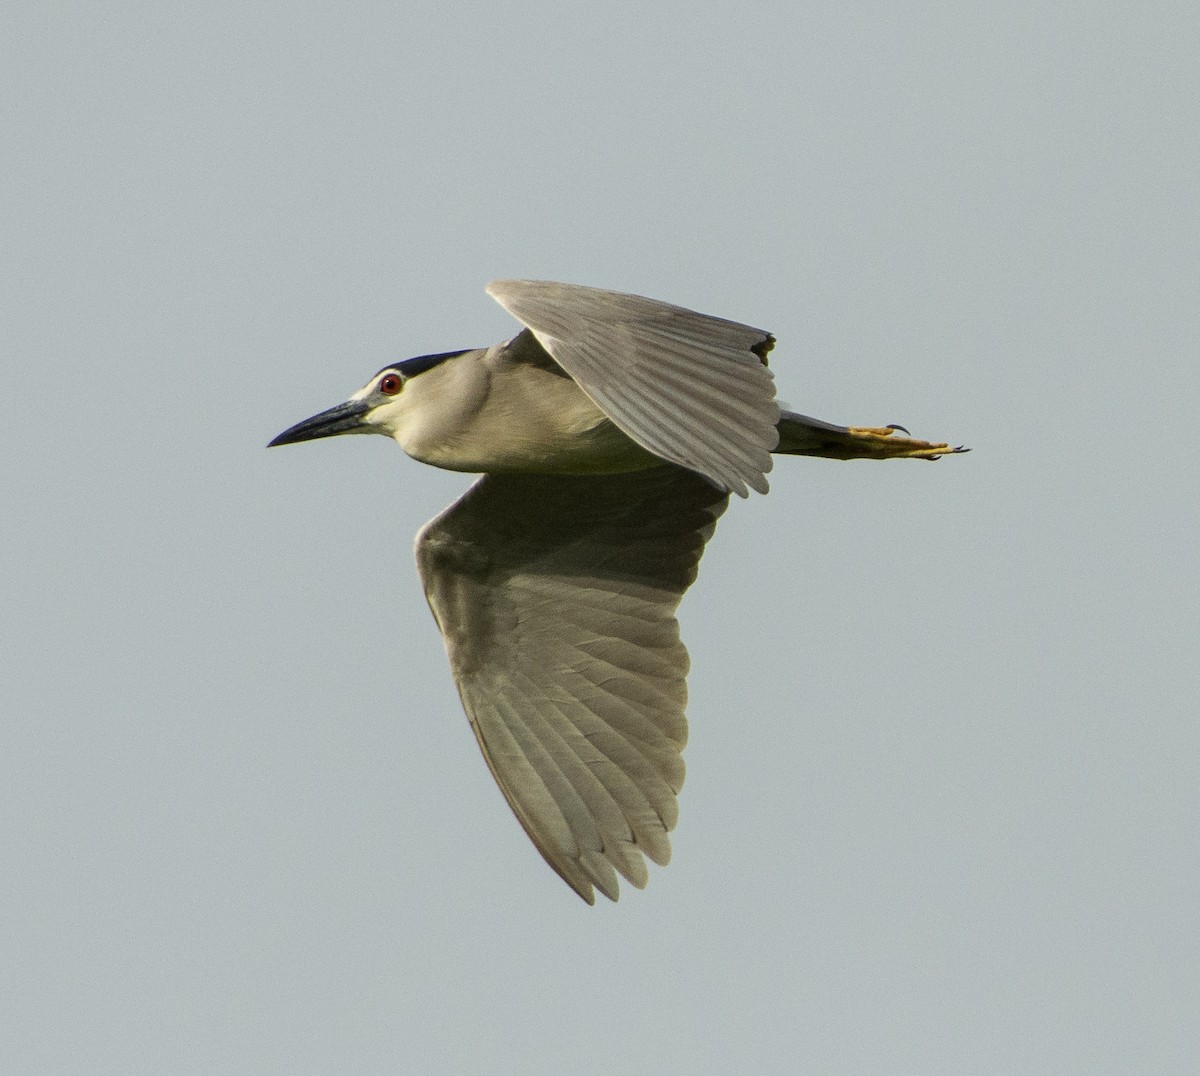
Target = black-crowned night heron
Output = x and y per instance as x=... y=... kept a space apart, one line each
x=610 y=433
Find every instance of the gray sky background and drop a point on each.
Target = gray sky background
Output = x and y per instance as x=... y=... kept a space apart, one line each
x=942 y=806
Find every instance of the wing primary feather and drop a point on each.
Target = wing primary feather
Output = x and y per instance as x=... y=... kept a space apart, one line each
x=729 y=412
x=673 y=440
x=655 y=786
x=718 y=403
x=650 y=386
x=670 y=438
x=518 y=780
x=581 y=833
x=620 y=809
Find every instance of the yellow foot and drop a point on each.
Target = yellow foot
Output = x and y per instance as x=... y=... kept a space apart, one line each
x=882 y=442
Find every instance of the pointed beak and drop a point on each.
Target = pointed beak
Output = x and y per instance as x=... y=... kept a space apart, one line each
x=345 y=418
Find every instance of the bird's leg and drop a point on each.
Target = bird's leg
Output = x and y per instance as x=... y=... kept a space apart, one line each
x=885 y=442
x=801 y=435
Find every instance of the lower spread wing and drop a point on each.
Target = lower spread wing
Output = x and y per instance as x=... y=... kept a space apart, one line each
x=556 y=597
x=690 y=388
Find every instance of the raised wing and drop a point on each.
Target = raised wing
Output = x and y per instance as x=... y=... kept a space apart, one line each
x=556 y=597
x=692 y=389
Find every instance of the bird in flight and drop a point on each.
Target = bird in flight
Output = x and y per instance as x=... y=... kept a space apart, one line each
x=609 y=433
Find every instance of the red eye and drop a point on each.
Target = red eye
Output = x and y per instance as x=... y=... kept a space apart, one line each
x=390 y=384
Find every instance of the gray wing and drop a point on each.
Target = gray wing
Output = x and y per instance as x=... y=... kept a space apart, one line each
x=556 y=597
x=692 y=389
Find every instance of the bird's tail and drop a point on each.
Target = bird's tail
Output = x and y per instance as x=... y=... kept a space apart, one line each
x=800 y=435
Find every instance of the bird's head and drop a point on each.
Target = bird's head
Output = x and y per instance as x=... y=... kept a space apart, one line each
x=382 y=405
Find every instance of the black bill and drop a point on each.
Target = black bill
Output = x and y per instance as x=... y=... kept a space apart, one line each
x=345 y=418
